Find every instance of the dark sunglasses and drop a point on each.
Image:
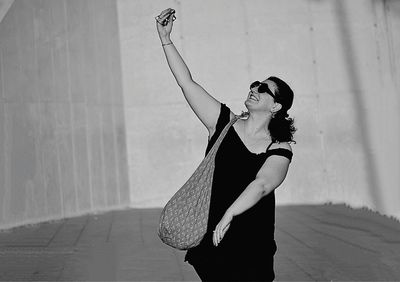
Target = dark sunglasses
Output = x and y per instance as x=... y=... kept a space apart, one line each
x=262 y=88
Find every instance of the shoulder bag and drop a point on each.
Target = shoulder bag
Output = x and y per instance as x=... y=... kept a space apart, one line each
x=183 y=221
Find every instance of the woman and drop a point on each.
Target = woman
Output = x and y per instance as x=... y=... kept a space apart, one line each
x=251 y=162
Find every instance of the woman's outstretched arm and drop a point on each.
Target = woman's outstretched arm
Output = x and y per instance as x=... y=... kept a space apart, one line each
x=268 y=178
x=175 y=62
x=205 y=106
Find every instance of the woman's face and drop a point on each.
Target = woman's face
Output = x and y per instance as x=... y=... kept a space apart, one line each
x=261 y=101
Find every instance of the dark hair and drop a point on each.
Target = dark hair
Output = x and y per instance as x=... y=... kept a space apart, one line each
x=281 y=126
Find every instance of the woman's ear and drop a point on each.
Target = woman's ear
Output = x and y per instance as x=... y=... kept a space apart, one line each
x=276 y=107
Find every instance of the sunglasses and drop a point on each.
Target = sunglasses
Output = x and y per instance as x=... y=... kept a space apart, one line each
x=262 y=88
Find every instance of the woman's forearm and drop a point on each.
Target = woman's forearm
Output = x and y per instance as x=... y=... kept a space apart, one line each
x=249 y=197
x=176 y=63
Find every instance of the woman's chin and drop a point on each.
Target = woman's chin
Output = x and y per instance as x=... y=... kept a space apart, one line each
x=249 y=102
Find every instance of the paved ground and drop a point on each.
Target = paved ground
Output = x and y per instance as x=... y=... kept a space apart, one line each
x=315 y=243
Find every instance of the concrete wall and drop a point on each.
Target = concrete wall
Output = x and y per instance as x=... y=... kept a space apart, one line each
x=63 y=144
x=4 y=7
x=342 y=59
x=91 y=118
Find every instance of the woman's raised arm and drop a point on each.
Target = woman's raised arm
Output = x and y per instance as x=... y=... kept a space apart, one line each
x=205 y=106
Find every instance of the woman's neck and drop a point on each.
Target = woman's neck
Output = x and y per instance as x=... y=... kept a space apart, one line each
x=256 y=126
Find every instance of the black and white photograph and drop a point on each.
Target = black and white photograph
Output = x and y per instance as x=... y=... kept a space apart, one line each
x=188 y=140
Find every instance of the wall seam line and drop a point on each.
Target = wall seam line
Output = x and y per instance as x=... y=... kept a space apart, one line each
x=70 y=107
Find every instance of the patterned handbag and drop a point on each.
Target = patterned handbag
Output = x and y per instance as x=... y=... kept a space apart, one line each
x=183 y=221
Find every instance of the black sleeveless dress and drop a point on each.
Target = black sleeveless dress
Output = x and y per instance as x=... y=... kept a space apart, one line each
x=249 y=243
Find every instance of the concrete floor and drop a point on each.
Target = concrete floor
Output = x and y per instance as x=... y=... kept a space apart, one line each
x=315 y=243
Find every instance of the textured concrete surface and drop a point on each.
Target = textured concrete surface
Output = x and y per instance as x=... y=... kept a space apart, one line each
x=62 y=137
x=91 y=118
x=341 y=58
x=315 y=243
x=4 y=6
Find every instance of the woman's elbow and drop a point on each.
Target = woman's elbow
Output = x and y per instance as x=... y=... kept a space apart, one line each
x=268 y=187
x=184 y=81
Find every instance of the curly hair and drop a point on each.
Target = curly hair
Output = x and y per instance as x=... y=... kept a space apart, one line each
x=281 y=126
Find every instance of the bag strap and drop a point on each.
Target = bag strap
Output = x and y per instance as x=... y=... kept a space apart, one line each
x=272 y=142
x=215 y=147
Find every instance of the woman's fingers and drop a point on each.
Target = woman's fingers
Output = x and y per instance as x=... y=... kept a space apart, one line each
x=166 y=16
x=165 y=21
x=219 y=233
x=214 y=238
x=162 y=17
x=224 y=231
x=163 y=13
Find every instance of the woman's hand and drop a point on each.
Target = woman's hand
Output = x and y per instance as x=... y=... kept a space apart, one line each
x=164 y=23
x=222 y=227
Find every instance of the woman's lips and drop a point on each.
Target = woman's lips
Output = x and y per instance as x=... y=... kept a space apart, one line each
x=252 y=97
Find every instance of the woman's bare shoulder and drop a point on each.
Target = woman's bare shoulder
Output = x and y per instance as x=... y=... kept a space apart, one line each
x=282 y=145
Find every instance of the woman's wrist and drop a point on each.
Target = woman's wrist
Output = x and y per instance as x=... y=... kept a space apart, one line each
x=229 y=212
x=166 y=40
